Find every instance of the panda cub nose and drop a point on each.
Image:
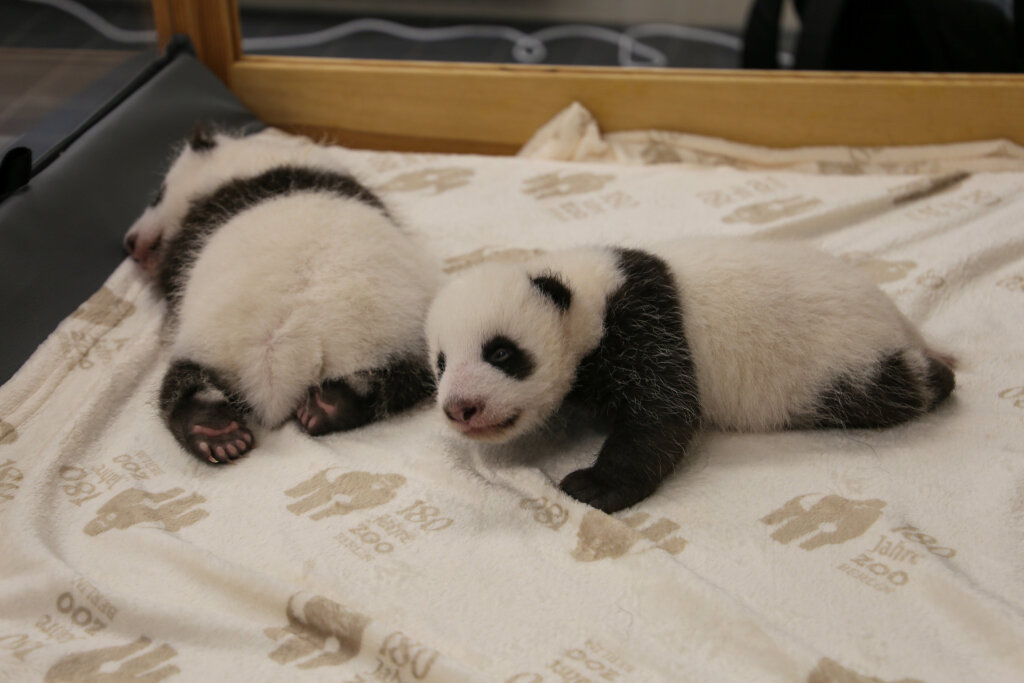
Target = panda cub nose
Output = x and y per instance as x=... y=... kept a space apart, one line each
x=462 y=410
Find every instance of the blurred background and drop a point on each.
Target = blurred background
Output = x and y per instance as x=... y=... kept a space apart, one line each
x=61 y=59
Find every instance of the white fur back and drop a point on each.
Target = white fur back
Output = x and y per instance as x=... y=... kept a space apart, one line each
x=771 y=324
x=299 y=289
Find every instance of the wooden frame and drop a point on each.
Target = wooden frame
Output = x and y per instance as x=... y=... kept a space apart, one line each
x=455 y=107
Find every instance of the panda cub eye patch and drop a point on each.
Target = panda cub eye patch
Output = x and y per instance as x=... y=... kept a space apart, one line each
x=505 y=354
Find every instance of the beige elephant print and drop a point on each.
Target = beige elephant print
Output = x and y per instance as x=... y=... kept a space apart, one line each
x=831 y=520
x=1014 y=394
x=95 y=666
x=136 y=506
x=558 y=185
x=104 y=308
x=437 y=179
x=320 y=632
x=771 y=210
x=354 y=490
x=489 y=255
x=830 y=671
x=879 y=270
x=10 y=481
x=602 y=536
x=8 y=434
x=1014 y=283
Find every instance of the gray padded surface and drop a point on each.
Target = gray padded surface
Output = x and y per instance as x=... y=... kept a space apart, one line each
x=60 y=237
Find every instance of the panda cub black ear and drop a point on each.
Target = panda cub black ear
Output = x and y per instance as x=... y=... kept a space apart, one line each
x=551 y=286
x=202 y=139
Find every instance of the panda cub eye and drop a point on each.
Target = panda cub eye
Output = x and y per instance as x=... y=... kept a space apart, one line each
x=505 y=354
x=159 y=196
x=440 y=363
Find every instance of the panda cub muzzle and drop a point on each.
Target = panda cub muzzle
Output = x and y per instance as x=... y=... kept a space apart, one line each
x=470 y=417
x=480 y=415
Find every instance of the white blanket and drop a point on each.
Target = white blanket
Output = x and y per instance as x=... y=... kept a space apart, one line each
x=397 y=552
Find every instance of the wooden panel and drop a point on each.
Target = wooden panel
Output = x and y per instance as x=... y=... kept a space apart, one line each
x=213 y=26
x=359 y=139
x=491 y=108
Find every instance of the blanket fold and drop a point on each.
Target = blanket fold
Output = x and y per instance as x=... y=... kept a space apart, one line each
x=397 y=552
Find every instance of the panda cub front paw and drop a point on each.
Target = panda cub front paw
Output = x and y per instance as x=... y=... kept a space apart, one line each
x=608 y=494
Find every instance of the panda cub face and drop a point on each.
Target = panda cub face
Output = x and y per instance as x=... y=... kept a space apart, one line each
x=206 y=161
x=497 y=340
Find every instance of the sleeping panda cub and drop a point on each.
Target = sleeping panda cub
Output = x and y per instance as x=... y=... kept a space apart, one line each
x=292 y=292
x=724 y=333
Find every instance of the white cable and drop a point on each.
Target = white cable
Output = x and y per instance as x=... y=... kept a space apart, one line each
x=391 y=28
x=679 y=32
x=697 y=35
x=526 y=48
x=98 y=23
x=625 y=42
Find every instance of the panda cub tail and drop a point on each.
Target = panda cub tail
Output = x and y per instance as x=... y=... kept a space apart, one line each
x=940 y=380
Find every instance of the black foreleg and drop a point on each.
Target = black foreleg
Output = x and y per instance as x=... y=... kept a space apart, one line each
x=632 y=463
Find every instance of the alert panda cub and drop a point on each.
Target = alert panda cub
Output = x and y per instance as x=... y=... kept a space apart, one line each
x=737 y=335
x=292 y=292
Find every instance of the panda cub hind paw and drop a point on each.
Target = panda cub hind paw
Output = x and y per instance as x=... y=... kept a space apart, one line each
x=214 y=433
x=608 y=494
x=331 y=407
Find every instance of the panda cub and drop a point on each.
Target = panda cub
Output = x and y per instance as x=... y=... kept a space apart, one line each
x=737 y=335
x=291 y=289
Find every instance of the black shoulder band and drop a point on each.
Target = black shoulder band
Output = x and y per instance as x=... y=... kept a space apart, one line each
x=217 y=208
